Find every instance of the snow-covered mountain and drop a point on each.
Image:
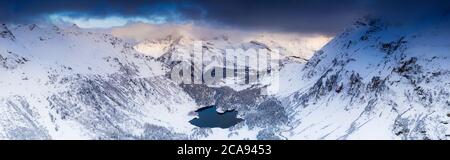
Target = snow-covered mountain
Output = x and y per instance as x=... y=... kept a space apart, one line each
x=69 y=84
x=376 y=80
x=290 y=45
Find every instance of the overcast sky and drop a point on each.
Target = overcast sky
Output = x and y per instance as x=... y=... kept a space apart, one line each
x=303 y=16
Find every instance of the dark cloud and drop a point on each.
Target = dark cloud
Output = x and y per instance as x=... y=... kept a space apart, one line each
x=322 y=16
x=289 y=15
x=310 y=16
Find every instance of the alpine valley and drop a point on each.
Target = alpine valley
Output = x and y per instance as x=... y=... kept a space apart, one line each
x=375 y=80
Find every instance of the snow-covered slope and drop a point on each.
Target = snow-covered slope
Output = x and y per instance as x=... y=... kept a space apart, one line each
x=64 y=83
x=374 y=81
